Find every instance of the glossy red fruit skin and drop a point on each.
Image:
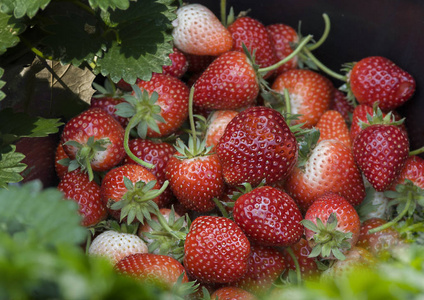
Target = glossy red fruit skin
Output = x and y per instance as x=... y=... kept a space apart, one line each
x=98 y=123
x=229 y=82
x=196 y=181
x=377 y=78
x=158 y=154
x=381 y=152
x=216 y=250
x=332 y=125
x=77 y=187
x=173 y=100
x=178 y=66
x=269 y=217
x=413 y=170
x=232 y=293
x=59 y=155
x=152 y=268
x=308 y=265
x=217 y=123
x=257 y=145
x=108 y=104
x=113 y=188
x=341 y=104
x=252 y=33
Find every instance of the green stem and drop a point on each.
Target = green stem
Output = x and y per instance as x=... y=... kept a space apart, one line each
x=296 y=263
x=224 y=13
x=191 y=117
x=395 y=220
x=164 y=224
x=324 y=35
x=221 y=208
x=287 y=100
x=289 y=57
x=131 y=124
x=35 y=50
x=416 y=151
x=412 y=227
x=323 y=67
x=89 y=168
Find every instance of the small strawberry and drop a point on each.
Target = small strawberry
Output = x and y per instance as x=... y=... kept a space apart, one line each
x=308 y=265
x=179 y=64
x=310 y=94
x=268 y=217
x=198 y=31
x=94 y=141
x=257 y=145
x=378 y=79
x=381 y=151
x=332 y=226
x=60 y=155
x=413 y=171
x=217 y=122
x=254 y=35
x=341 y=104
x=232 y=293
x=332 y=125
x=77 y=187
x=216 y=250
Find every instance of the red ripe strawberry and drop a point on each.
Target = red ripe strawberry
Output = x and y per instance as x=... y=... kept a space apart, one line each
x=195 y=180
x=172 y=100
x=115 y=245
x=216 y=250
x=198 y=31
x=310 y=94
x=332 y=125
x=330 y=167
x=124 y=86
x=216 y=125
x=341 y=104
x=413 y=171
x=257 y=145
x=379 y=241
x=283 y=36
x=269 y=217
x=253 y=34
x=232 y=293
x=129 y=184
x=381 y=151
x=59 y=155
x=152 y=269
x=108 y=104
x=77 y=187
x=377 y=78
x=308 y=265
x=265 y=266
x=179 y=64
x=229 y=82
x=95 y=140
x=332 y=226
x=158 y=154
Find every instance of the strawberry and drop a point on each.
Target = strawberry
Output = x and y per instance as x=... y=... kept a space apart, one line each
x=332 y=125
x=332 y=226
x=179 y=64
x=229 y=82
x=257 y=145
x=198 y=31
x=381 y=150
x=127 y=192
x=158 y=154
x=232 y=293
x=341 y=104
x=254 y=35
x=378 y=79
x=94 y=140
x=269 y=217
x=60 y=155
x=413 y=171
x=216 y=250
x=283 y=36
x=310 y=94
x=308 y=265
x=378 y=242
x=77 y=187
x=216 y=125
x=265 y=266
x=198 y=63
x=329 y=167
x=151 y=268
x=115 y=245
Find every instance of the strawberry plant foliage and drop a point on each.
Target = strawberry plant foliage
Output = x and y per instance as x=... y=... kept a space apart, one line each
x=23 y=8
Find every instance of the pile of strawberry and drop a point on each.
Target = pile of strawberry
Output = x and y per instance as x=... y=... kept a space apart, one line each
x=235 y=165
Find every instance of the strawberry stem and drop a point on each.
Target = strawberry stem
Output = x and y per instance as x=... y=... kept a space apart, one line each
x=324 y=35
x=323 y=67
x=287 y=58
x=296 y=263
x=416 y=151
x=221 y=208
x=131 y=124
x=224 y=13
x=178 y=235
x=191 y=118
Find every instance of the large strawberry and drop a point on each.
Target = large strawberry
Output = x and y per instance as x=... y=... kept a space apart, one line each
x=268 y=216
x=378 y=79
x=257 y=145
x=310 y=94
x=77 y=187
x=198 y=31
x=332 y=226
x=216 y=250
x=94 y=140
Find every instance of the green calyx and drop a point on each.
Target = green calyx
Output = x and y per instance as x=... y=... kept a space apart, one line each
x=377 y=118
x=328 y=241
x=108 y=90
x=85 y=154
x=137 y=203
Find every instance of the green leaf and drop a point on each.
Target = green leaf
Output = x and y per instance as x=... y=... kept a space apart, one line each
x=20 y=8
x=112 y=4
x=141 y=41
x=10 y=28
x=10 y=166
x=2 y=83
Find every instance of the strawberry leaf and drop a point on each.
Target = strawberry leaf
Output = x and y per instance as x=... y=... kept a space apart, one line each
x=10 y=166
x=23 y=8
x=10 y=28
x=2 y=83
x=104 y=5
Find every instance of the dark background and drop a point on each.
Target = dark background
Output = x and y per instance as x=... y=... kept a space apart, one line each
x=390 y=28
